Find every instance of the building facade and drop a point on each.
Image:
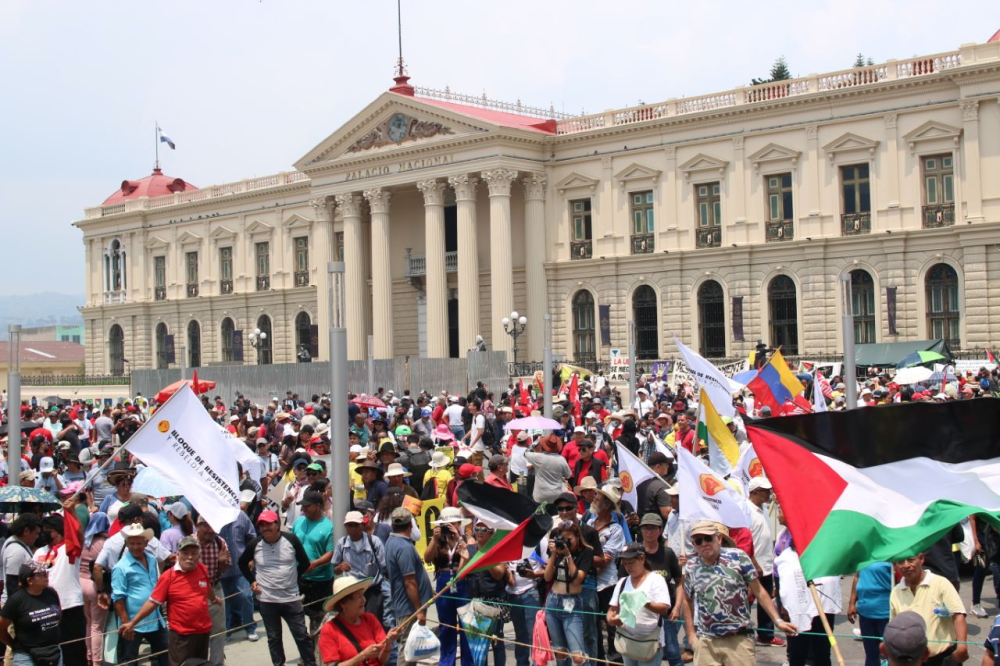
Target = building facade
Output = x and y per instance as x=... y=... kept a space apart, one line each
x=721 y=219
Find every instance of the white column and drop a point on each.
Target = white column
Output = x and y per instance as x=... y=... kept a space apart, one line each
x=349 y=206
x=972 y=184
x=501 y=262
x=468 y=260
x=534 y=262
x=92 y=296
x=378 y=201
x=436 y=279
x=319 y=254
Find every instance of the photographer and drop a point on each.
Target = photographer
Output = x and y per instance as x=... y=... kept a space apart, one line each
x=522 y=593
x=447 y=551
x=570 y=560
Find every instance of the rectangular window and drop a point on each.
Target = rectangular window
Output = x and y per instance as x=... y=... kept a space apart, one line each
x=263 y=259
x=582 y=220
x=642 y=212
x=340 y=246
x=709 y=204
x=939 y=180
x=779 y=197
x=302 y=253
x=160 y=272
x=856 y=189
x=192 y=267
x=225 y=263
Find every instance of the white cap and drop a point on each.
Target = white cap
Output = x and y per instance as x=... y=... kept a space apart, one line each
x=46 y=465
x=353 y=517
x=356 y=448
x=757 y=483
x=178 y=510
x=580 y=429
x=590 y=415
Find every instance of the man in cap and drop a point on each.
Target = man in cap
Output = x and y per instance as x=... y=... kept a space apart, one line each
x=759 y=494
x=295 y=490
x=132 y=582
x=717 y=584
x=905 y=641
x=315 y=531
x=362 y=555
x=935 y=599
x=186 y=590
x=47 y=479
x=408 y=580
x=642 y=405
x=278 y=561
x=270 y=468
x=499 y=468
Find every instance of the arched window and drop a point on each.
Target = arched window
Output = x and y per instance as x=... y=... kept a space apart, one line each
x=584 y=348
x=116 y=350
x=647 y=329
x=784 y=315
x=162 y=359
x=264 y=350
x=303 y=335
x=943 y=309
x=711 y=320
x=863 y=306
x=194 y=344
x=226 y=332
x=114 y=267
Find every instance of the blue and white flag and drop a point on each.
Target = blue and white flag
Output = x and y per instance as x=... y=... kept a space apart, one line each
x=165 y=139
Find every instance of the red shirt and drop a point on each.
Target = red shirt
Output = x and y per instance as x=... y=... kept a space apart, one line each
x=186 y=596
x=571 y=452
x=498 y=481
x=686 y=440
x=334 y=646
x=438 y=415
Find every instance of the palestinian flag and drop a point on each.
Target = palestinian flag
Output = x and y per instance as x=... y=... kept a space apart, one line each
x=518 y=523
x=882 y=483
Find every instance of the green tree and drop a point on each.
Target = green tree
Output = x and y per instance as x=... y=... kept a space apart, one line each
x=861 y=61
x=779 y=72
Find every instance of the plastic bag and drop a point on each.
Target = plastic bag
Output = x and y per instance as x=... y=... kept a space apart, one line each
x=541 y=653
x=422 y=645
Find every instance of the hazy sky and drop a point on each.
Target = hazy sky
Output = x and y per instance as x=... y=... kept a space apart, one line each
x=246 y=87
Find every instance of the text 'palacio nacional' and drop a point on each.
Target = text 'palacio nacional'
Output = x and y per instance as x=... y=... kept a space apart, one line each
x=722 y=218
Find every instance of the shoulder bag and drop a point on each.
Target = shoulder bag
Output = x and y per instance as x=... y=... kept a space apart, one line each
x=640 y=647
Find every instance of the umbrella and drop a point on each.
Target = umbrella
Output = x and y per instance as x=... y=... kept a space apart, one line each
x=368 y=401
x=150 y=482
x=26 y=426
x=16 y=499
x=203 y=386
x=919 y=358
x=533 y=423
x=912 y=375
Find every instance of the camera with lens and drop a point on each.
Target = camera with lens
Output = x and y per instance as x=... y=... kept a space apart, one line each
x=561 y=543
x=523 y=568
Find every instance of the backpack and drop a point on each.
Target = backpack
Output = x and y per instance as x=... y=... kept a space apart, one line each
x=489 y=437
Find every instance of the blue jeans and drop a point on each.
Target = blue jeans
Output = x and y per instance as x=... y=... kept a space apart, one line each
x=524 y=624
x=239 y=608
x=591 y=633
x=458 y=431
x=565 y=628
x=447 y=610
x=872 y=627
x=671 y=646
x=128 y=650
x=655 y=661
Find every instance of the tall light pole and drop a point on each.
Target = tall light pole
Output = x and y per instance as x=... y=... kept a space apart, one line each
x=257 y=338
x=850 y=370
x=631 y=362
x=514 y=327
x=14 y=405
x=339 y=464
x=547 y=365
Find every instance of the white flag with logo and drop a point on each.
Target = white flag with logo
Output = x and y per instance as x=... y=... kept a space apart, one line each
x=631 y=472
x=704 y=495
x=710 y=379
x=182 y=442
x=747 y=467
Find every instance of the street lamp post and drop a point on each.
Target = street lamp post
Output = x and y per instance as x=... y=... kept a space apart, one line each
x=514 y=327
x=257 y=338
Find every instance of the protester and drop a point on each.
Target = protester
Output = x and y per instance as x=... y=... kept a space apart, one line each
x=570 y=559
x=663 y=562
x=18 y=549
x=133 y=579
x=448 y=552
x=353 y=636
x=121 y=477
x=236 y=588
x=488 y=586
x=216 y=557
x=522 y=593
x=612 y=539
x=905 y=642
x=550 y=468
x=315 y=531
x=759 y=494
x=96 y=617
x=64 y=578
x=181 y=526
x=33 y=611
x=411 y=588
x=362 y=555
x=934 y=599
x=869 y=605
x=639 y=641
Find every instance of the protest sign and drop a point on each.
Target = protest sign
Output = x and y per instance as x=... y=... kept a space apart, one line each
x=429 y=512
x=619 y=365
x=184 y=444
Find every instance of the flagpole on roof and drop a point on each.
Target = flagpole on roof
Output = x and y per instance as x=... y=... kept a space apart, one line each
x=156 y=144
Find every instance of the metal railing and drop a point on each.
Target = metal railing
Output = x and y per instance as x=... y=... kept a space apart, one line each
x=192 y=291
x=710 y=237
x=780 y=230
x=75 y=380
x=484 y=102
x=114 y=297
x=942 y=215
x=263 y=282
x=582 y=249
x=225 y=286
x=856 y=224
x=301 y=278
x=643 y=243
x=159 y=293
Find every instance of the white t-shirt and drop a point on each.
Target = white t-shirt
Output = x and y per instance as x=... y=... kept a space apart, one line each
x=763 y=540
x=477 y=427
x=655 y=588
x=454 y=415
x=64 y=577
x=518 y=463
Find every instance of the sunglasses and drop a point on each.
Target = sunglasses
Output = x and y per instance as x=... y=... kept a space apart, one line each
x=312 y=472
x=565 y=508
x=699 y=540
x=480 y=530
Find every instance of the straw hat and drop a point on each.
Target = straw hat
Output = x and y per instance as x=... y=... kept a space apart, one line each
x=343 y=587
x=586 y=483
x=120 y=470
x=439 y=459
x=612 y=494
x=451 y=514
x=395 y=469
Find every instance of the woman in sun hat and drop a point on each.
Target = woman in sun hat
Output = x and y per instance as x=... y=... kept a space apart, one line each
x=438 y=476
x=121 y=477
x=447 y=551
x=352 y=628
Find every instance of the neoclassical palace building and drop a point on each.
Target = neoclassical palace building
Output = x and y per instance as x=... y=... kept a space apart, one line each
x=724 y=219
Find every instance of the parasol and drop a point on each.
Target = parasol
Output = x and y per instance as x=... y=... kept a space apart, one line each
x=17 y=499
x=920 y=358
x=150 y=482
x=368 y=401
x=197 y=385
x=533 y=423
x=912 y=375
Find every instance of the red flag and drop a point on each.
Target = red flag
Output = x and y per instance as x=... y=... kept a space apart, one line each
x=562 y=389
x=71 y=535
x=574 y=397
x=990 y=358
x=525 y=400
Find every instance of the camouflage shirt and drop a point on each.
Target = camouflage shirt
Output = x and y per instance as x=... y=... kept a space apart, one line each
x=720 y=593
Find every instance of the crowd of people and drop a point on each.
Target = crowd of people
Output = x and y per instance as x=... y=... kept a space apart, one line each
x=112 y=569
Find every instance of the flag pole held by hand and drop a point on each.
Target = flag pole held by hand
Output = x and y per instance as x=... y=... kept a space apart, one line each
x=826 y=623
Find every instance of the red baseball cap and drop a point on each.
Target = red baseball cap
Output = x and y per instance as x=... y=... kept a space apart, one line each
x=468 y=470
x=267 y=517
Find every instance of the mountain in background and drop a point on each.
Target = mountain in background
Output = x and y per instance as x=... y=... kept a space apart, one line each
x=44 y=309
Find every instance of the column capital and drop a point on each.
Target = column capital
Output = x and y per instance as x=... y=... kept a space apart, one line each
x=465 y=186
x=378 y=200
x=322 y=209
x=433 y=191
x=970 y=109
x=349 y=204
x=534 y=186
x=499 y=181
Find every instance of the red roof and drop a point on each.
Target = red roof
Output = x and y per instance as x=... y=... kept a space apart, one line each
x=994 y=38
x=45 y=352
x=496 y=117
x=153 y=185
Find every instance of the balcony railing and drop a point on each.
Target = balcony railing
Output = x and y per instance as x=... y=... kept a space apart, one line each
x=416 y=264
x=263 y=282
x=856 y=224
x=225 y=286
x=192 y=291
x=301 y=278
x=159 y=293
x=642 y=243
x=939 y=216
x=581 y=249
x=710 y=237
x=780 y=230
x=75 y=380
x=114 y=297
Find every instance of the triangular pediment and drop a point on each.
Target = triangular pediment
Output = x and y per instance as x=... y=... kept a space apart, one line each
x=850 y=141
x=577 y=180
x=702 y=162
x=636 y=171
x=296 y=221
x=258 y=228
x=156 y=243
x=391 y=122
x=188 y=238
x=222 y=233
x=930 y=131
x=774 y=152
